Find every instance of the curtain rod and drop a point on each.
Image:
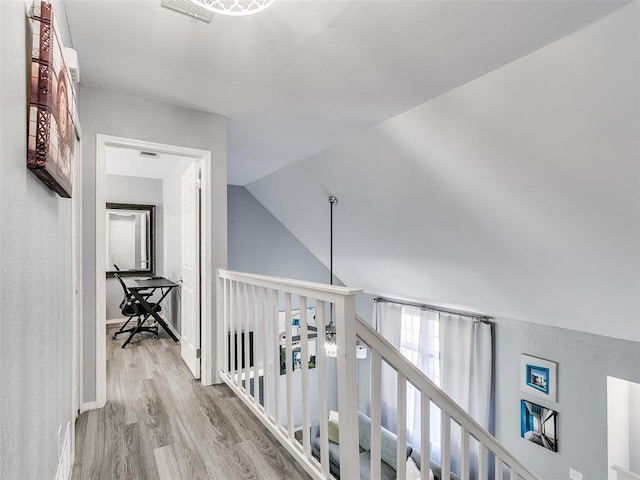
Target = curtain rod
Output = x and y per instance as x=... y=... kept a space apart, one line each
x=424 y=306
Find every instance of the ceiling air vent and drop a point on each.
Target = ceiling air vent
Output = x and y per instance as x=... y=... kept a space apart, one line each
x=144 y=154
x=189 y=8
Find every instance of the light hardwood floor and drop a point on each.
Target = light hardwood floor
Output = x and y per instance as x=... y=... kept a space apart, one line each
x=160 y=423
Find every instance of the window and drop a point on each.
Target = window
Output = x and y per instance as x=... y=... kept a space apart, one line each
x=414 y=328
x=410 y=333
x=416 y=333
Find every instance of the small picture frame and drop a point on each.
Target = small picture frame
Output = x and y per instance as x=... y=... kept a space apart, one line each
x=539 y=377
x=539 y=425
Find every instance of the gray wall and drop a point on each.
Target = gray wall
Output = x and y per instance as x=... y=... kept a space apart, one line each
x=259 y=243
x=35 y=281
x=113 y=114
x=147 y=191
x=584 y=362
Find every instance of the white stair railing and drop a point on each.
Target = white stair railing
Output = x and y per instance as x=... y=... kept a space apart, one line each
x=624 y=473
x=267 y=365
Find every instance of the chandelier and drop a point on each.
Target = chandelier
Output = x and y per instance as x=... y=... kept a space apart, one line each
x=234 y=7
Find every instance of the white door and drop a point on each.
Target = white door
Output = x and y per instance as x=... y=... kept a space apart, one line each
x=190 y=290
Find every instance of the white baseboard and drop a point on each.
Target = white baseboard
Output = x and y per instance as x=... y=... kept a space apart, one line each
x=85 y=407
x=172 y=328
x=113 y=321
x=64 y=457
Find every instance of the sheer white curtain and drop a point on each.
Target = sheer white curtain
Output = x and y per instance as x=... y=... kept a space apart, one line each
x=466 y=362
x=452 y=350
x=417 y=341
x=388 y=321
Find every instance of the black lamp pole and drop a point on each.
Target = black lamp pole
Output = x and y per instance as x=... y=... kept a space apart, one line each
x=332 y=201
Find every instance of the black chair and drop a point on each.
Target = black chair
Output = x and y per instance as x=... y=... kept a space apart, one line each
x=131 y=308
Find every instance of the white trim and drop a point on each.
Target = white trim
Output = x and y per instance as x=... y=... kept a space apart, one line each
x=208 y=223
x=65 y=456
x=85 y=407
x=101 y=347
x=76 y=292
x=115 y=321
x=624 y=473
x=207 y=282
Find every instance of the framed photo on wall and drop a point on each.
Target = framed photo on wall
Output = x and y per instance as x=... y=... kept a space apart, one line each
x=539 y=377
x=539 y=425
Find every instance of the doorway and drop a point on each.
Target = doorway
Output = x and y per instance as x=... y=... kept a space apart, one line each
x=174 y=164
x=623 y=429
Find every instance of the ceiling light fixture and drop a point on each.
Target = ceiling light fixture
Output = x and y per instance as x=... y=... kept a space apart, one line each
x=330 y=343
x=235 y=8
x=330 y=332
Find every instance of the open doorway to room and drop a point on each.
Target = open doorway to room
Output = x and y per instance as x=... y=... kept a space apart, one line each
x=623 y=429
x=149 y=217
x=152 y=222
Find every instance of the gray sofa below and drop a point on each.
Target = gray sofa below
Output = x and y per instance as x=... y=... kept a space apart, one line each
x=388 y=452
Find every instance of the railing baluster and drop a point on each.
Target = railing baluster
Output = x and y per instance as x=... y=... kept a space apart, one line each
x=288 y=360
x=256 y=387
x=265 y=346
x=376 y=408
x=446 y=445
x=464 y=464
x=322 y=387
x=231 y=333
x=245 y=349
x=238 y=339
x=225 y=326
x=482 y=461
x=514 y=474
x=401 y=452
x=276 y=359
x=425 y=435
x=304 y=352
x=499 y=468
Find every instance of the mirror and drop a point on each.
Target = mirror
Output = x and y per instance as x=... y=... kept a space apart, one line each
x=130 y=239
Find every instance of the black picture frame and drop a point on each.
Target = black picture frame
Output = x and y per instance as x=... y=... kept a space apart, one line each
x=151 y=241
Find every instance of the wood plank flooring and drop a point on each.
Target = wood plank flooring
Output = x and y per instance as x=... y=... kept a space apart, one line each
x=161 y=424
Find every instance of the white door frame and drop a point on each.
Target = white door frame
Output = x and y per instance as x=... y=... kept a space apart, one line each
x=76 y=289
x=207 y=314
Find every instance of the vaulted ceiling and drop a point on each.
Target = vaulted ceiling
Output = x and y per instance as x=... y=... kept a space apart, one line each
x=305 y=75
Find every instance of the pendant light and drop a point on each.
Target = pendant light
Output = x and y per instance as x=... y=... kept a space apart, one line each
x=330 y=344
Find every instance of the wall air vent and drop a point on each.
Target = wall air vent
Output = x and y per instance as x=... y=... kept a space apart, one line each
x=144 y=154
x=71 y=59
x=189 y=8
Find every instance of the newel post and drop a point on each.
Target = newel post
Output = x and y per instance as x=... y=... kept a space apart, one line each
x=347 y=387
x=219 y=324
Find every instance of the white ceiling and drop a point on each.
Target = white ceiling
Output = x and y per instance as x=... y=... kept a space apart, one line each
x=516 y=195
x=128 y=162
x=304 y=75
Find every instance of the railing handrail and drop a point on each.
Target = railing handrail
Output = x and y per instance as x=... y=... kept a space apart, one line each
x=625 y=471
x=300 y=287
x=414 y=375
